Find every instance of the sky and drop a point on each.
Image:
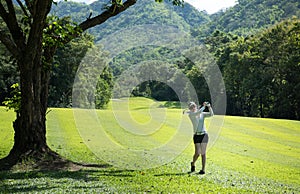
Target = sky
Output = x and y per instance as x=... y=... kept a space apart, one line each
x=210 y=6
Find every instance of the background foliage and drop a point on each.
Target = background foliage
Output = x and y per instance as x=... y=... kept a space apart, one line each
x=255 y=44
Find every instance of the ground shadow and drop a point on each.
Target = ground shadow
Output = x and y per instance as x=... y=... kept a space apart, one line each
x=171 y=105
x=172 y=174
x=11 y=182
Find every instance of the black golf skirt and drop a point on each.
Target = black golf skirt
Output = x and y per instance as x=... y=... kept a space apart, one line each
x=201 y=138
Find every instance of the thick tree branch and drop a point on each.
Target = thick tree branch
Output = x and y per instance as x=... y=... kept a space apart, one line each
x=112 y=11
x=23 y=8
x=3 y=13
x=91 y=22
x=10 y=19
x=9 y=44
x=31 y=6
x=38 y=24
x=11 y=8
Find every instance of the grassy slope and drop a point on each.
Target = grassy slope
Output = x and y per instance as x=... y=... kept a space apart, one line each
x=250 y=155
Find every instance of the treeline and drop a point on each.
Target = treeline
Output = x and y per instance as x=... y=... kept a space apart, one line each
x=261 y=72
x=167 y=73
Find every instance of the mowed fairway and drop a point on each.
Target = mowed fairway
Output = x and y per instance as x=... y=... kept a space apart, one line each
x=250 y=155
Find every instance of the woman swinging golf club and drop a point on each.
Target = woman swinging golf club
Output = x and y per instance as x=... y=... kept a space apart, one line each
x=200 y=138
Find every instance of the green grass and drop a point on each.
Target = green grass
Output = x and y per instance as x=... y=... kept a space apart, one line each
x=251 y=155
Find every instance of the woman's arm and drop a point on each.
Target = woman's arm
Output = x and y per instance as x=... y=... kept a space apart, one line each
x=210 y=113
x=200 y=110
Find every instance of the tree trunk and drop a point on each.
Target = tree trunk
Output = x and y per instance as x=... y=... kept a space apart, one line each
x=262 y=115
x=30 y=124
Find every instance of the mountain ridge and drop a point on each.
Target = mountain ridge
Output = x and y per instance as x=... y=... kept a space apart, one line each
x=245 y=18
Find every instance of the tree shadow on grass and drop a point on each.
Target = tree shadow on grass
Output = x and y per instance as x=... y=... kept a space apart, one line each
x=173 y=174
x=45 y=181
x=171 y=104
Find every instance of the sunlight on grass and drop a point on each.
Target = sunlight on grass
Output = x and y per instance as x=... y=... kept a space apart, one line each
x=6 y=131
x=64 y=138
x=137 y=145
x=244 y=148
x=250 y=155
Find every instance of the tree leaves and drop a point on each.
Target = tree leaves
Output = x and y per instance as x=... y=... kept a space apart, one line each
x=262 y=73
x=14 y=102
x=58 y=31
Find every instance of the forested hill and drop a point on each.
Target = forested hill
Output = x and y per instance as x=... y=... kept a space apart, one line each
x=245 y=18
x=143 y=12
x=249 y=16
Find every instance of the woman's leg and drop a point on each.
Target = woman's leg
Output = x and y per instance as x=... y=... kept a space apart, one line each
x=203 y=155
x=197 y=153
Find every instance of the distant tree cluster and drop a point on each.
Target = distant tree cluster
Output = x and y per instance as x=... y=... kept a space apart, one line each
x=262 y=71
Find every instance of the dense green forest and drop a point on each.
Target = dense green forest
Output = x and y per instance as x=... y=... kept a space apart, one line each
x=248 y=17
x=256 y=45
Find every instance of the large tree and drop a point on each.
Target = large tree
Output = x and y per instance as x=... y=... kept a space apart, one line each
x=32 y=41
x=262 y=72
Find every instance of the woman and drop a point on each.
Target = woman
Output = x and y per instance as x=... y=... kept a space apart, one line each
x=200 y=138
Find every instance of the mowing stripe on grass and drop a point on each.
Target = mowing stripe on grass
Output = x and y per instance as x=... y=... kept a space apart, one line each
x=243 y=149
x=238 y=147
x=255 y=167
x=266 y=128
x=260 y=143
x=64 y=138
x=6 y=131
